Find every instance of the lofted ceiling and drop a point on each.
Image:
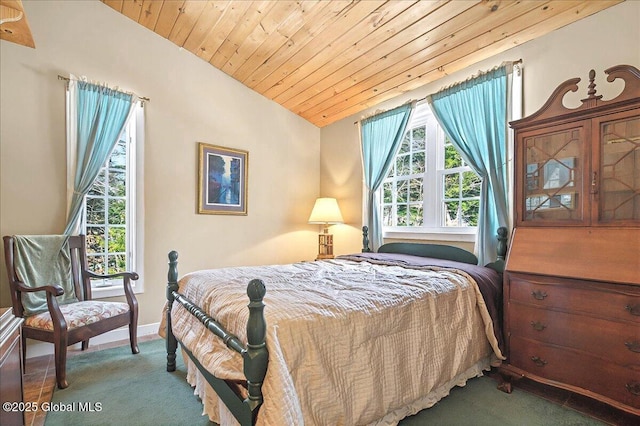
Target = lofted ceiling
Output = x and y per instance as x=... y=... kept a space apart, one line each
x=326 y=60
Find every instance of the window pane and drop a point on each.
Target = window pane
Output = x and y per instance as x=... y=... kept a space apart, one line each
x=118 y=158
x=117 y=242
x=451 y=157
x=117 y=183
x=451 y=186
x=415 y=216
x=387 y=216
x=117 y=211
x=416 y=192
x=97 y=264
x=96 y=239
x=116 y=263
x=418 y=135
x=402 y=191
x=98 y=186
x=402 y=165
x=469 y=212
x=471 y=183
x=95 y=211
x=387 y=188
x=451 y=213
x=404 y=148
x=401 y=214
x=417 y=163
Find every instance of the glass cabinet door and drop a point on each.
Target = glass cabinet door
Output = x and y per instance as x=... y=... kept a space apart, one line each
x=619 y=180
x=553 y=176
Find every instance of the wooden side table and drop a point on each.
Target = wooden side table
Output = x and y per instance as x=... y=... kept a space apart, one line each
x=11 y=369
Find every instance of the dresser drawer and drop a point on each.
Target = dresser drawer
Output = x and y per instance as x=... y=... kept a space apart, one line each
x=616 y=341
x=590 y=374
x=617 y=302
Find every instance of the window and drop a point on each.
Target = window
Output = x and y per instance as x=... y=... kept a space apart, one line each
x=429 y=188
x=110 y=213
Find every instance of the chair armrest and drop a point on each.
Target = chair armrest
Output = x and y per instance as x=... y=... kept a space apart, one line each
x=57 y=318
x=55 y=290
x=127 y=277
x=131 y=275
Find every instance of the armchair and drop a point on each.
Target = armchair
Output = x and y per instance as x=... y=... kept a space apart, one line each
x=51 y=289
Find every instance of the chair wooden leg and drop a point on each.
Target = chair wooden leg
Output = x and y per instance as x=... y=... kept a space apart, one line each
x=133 y=338
x=85 y=345
x=60 y=355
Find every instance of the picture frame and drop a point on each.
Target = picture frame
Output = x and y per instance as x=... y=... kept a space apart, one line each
x=222 y=180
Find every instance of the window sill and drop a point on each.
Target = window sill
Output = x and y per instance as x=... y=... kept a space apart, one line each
x=450 y=235
x=117 y=289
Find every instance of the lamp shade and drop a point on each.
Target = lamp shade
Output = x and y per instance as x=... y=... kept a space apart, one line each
x=325 y=210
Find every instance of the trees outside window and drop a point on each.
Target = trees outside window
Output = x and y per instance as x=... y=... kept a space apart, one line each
x=429 y=187
x=110 y=211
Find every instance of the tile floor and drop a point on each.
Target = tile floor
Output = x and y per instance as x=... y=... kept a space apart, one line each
x=40 y=380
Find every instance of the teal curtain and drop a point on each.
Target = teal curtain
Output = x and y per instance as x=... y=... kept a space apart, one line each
x=381 y=137
x=101 y=115
x=473 y=115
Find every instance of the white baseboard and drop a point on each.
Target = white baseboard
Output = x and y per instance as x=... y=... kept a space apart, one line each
x=36 y=348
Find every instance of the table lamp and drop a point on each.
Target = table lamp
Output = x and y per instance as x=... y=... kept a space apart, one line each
x=325 y=212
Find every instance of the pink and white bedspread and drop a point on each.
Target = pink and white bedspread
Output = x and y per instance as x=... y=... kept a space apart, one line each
x=367 y=339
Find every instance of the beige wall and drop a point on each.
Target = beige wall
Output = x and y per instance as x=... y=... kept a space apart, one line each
x=190 y=102
x=609 y=38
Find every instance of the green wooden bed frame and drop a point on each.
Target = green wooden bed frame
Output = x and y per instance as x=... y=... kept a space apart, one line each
x=254 y=353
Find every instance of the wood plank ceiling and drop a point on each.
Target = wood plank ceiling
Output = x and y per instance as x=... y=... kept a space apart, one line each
x=326 y=60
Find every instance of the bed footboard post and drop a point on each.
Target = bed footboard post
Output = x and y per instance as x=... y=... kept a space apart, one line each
x=172 y=285
x=365 y=239
x=501 y=251
x=256 y=357
x=502 y=243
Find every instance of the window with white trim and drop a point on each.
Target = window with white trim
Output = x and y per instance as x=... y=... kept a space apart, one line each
x=429 y=188
x=110 y=220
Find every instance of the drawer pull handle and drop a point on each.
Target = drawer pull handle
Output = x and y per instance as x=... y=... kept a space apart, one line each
x=538 y=361
x=539 y=294
x=538 y=326
x=633 y=388
x=633 y=310
x=633 y=346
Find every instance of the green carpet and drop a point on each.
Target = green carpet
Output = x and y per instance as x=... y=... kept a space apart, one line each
x=125 y=389
x=131 y=389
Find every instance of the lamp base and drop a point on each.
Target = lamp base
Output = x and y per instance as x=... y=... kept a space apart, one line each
x=325 y=246
x=324 y=256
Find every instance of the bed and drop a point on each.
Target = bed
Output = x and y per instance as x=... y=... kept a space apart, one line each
x=366 y=338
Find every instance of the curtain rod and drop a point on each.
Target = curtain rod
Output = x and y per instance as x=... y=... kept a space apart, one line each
x=61 y=77
x=519 y=61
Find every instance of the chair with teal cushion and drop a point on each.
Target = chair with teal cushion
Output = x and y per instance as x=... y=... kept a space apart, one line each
x=51 y=289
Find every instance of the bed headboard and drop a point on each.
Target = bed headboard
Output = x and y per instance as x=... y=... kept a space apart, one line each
x=437 y=251
x=441 y=251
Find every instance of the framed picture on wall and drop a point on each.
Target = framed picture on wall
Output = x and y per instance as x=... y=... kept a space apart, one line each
x=222 y=180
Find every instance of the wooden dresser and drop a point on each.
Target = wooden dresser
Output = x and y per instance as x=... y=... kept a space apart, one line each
x=572 y=279
x=10 y=369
